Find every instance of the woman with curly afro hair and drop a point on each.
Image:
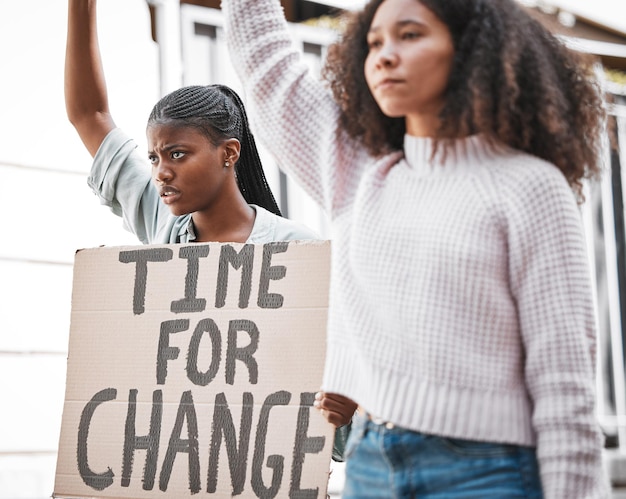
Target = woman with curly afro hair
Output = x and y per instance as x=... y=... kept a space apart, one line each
x=511 y=80
x=448 y=146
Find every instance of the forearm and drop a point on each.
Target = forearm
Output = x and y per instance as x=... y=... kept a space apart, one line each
x=552 y=286
x=271 y=70
x=560 y=376
x=86 y=97
x=297 y=114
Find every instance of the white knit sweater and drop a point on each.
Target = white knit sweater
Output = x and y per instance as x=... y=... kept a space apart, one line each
x=460 y=301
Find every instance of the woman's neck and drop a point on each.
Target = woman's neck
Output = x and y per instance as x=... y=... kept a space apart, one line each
x=233 y=223
x=423 y=124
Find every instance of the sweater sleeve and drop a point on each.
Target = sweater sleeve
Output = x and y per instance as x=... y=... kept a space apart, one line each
x=551 y=284
x=295 y=113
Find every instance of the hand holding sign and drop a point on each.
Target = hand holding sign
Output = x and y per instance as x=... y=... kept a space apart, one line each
x=337 y=409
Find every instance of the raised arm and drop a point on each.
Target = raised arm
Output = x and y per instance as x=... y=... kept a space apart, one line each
x=86 y=99
x=295 y=114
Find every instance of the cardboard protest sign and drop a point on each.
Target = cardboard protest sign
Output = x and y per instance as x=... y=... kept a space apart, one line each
x=192 y=371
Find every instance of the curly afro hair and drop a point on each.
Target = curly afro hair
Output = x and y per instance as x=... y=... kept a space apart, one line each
x=511 y=80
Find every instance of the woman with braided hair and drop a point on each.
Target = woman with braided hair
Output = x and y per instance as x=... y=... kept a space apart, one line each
x=448 y=147
x=209 y=179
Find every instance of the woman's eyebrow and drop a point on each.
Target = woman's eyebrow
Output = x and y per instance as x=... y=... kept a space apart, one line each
x=400 y=23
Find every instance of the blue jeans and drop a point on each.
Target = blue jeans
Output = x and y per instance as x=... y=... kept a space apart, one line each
x=396 y=463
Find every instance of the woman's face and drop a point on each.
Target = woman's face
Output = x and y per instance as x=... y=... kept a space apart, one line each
x=409 y=63
x=188 y=170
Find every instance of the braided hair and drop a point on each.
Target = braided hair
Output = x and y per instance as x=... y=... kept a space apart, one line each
x=218 y=112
